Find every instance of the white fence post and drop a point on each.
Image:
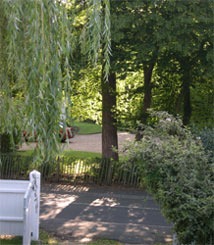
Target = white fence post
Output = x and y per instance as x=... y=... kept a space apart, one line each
x=19 y=208
x=35 y=179
x=27 y=225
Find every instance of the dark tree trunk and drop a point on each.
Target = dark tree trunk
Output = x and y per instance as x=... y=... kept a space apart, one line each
x=109 y=127
x=179 y=102
x=186 y=66
x=187 y=100
x=147 y=100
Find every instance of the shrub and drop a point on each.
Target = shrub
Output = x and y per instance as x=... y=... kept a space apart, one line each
x=9 y=142
x=5 y=143
x=207 y=138
x=175 y=168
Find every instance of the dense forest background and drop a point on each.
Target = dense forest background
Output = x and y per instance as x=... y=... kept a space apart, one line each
x=162 y=58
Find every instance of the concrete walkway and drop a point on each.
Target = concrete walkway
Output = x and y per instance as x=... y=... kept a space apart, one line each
x=83 y=214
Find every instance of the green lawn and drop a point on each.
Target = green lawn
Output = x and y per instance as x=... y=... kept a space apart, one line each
x=48 y=238
x=81 y=154
x=44 y=238
x=70 y=153
x=87 y=128
x=27 y=153
x=11 y=241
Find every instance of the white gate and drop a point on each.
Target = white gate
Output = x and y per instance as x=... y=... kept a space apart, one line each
x=19 y=207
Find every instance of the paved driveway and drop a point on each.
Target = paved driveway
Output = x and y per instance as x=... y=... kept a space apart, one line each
x=83 y=214
x=89 y=142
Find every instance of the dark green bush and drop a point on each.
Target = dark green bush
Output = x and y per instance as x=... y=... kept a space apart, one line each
x=8 y=142
x=5 y=143
x=207 y=137
x=175 y=168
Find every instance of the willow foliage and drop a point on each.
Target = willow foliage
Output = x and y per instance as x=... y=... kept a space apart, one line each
x=98 y=32
x=35 y=68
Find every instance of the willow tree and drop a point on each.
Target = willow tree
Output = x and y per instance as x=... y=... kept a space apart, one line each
x=35 y=72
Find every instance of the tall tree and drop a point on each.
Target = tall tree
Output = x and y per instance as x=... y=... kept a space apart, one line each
x=109 y=126
x=106 y=85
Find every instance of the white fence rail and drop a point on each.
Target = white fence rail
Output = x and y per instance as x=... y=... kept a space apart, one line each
x=19 y=208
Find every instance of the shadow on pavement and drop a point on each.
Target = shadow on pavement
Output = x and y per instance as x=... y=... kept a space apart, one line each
x=87 y=214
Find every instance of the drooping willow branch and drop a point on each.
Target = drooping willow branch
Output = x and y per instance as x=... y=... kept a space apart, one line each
x=35 y=73
x=107 y=37
x=99 y=32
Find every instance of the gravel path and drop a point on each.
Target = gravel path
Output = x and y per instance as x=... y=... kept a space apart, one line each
x=89 y=142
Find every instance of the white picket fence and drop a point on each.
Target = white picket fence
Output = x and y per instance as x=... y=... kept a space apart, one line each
x=19 y=208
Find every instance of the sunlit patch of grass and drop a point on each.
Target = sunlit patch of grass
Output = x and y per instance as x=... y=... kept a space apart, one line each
x=68 y=153
x=46 y=238
x=87 y=128
x=27 y=153
x=81 y=154
x=10 y=240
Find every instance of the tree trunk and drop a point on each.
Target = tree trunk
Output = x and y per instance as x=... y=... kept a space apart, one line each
x=187 y=100
x=147 y=100
x=179 y=102
x=109 y=127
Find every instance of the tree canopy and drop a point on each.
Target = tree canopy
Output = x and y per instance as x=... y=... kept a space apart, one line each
x=161 y=53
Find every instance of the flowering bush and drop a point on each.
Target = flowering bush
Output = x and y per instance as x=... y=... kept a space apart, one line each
x=175 y=168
